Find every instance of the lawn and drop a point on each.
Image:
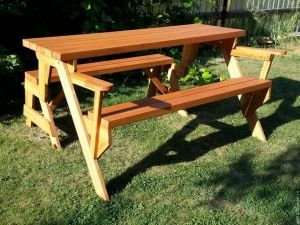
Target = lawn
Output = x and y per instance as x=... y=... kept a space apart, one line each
x=201 y=169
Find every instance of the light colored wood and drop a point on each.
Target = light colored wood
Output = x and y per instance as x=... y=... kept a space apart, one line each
x=257 y=53
x=44 y=73
x=255 y=127
x=37 y=118
x=91 y=83
x=105 y=140
x=251 y=53
x=266 y=68
x=45 y=59
x=96 y=123
x=29 y=100
x=93 y=167
x=264 y=75
x=31 y=88
x=40 y=90
x=250 y=102
x=173 y=78
x=235 y=72
x=90 y=45
x=261 y=54
x=53 y=134
x=231 y=61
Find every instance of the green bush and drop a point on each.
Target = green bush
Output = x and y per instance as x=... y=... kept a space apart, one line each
x=200 y=76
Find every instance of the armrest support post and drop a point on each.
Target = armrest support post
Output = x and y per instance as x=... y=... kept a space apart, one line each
x=97 y=108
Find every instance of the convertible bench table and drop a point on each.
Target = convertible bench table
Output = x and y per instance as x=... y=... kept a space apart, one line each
x=58 y=62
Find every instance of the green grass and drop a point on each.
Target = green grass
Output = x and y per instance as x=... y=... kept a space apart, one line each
x=204 y=169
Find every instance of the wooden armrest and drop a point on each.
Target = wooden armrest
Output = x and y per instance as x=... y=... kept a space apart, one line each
x=91 y=83
x=257 y=53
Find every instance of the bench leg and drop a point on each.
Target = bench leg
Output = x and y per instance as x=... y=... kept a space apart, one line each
x=29 y=102
x=155 y=84
x=93 y=167
x=53 y=131
x=249 y=103
x=235 y=72
x=55 y=102
x=105 y=140
x=255 y=127
x=152 y=89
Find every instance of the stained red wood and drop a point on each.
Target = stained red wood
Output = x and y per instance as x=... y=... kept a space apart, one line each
x=110 y=66
x=98 y=44
x=146 y=108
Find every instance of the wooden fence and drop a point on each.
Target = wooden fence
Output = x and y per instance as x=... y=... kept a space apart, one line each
x=209 y=6
x=217 y=11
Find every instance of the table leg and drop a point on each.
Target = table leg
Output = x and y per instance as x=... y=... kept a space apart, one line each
x=235 y=72
x=155 y=84
x=189 y=54
x=30 y=103
x=93 y=166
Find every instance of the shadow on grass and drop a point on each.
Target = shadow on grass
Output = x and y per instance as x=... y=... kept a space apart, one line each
x=273 y=188
x=226 y=134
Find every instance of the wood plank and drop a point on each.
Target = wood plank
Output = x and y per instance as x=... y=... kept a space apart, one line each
x=93 y=166
x=96 y=123
x=111 y=66
x=30 y=103
x=174 y=95
x=142 y=109
x=113 y=43
x=235 y=72
x=31 y=87
x=101 y=49
x=37 y=118
x=53 y=134
x=91 y=83
x=106 y=35
x=257 y=53
x=116 y=35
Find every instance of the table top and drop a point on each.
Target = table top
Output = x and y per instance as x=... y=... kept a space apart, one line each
x=72 y=47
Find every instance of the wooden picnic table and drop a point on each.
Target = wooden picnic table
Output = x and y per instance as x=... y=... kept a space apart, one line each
x=62 y=53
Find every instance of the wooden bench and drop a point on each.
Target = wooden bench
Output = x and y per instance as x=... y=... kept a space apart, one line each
x=100 y=121
x=251 y=91
x=151 y=64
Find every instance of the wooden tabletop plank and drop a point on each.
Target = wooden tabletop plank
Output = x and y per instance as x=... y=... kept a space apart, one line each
x=106 y=35
x=98 y=44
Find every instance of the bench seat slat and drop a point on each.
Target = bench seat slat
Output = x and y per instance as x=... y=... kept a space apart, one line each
x=142 y=109
x=143 y=102
x=111 y=66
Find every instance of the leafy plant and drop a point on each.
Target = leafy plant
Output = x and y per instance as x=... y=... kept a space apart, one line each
x=200 y=76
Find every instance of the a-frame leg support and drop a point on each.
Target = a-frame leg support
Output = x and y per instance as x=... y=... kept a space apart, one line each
x=249 y=103
x=235 y=72
x=81 y=129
